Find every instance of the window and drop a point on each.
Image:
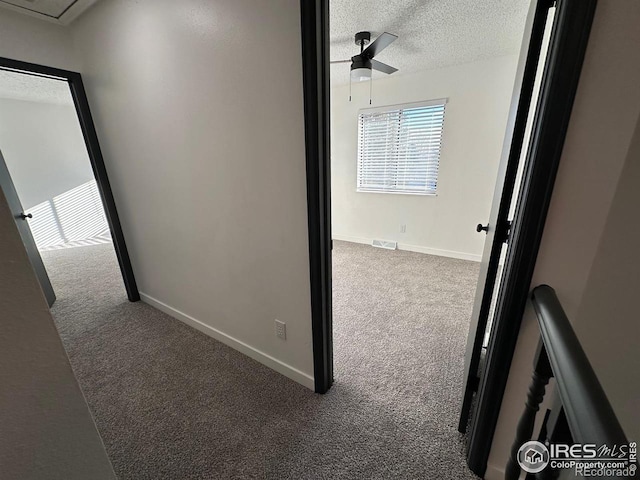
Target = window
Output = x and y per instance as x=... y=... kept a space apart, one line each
x=399 y=148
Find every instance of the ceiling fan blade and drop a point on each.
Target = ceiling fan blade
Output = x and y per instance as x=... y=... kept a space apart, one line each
x=382 y=67
x=341 y=61
x=379 y=44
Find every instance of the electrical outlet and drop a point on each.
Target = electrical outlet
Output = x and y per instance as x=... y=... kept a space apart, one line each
x=281 y=330
x=403 y=229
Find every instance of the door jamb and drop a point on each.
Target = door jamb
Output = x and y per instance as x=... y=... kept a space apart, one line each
x=567 y=48
x=87 y=126
x=315 y=69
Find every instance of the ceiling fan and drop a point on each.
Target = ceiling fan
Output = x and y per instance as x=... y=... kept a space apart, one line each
x=363 y=63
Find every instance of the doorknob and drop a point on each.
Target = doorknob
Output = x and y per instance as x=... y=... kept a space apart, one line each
x=25 y=216
x=480 y=228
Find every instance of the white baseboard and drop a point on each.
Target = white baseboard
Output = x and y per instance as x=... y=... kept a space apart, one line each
x=414 y=248
x=349 y=238
x=248 y=350
x=441 y=253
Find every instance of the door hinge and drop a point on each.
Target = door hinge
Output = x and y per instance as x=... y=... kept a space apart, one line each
x=474 y=384
x=506 y=234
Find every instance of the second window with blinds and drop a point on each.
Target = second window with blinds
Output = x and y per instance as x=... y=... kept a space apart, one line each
x=399 y=148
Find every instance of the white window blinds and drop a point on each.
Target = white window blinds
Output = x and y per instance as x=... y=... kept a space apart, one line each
x=399 y=148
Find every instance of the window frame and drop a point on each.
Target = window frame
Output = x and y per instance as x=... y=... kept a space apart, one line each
x=400 y=106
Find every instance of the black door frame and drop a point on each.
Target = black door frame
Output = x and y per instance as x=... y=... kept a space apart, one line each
x=572 y=24
x=567 y=47
x=315 y=70
x=87 y=126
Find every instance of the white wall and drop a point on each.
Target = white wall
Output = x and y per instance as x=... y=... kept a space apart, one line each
x=607 y=320
x=44 y=149
x=593 y=157
x=47 y=430
x=207 y=163
x=479 y=96
x=31 y=40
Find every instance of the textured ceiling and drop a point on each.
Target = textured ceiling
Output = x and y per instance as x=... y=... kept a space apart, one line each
x=51 y=8
x=58 y=11
x=432 y=33
x=19 y=86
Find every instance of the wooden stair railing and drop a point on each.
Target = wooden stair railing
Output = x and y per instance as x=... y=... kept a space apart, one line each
x=581 y=413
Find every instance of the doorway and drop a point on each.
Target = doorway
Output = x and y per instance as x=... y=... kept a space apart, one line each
x=414 y=160
x=567 y=43
x=52 y=172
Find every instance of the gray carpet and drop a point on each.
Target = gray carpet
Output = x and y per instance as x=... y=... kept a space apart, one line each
x=172 y=403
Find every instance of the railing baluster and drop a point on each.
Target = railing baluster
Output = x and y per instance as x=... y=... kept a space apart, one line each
x=541 y=375
x=542 y=438
x=558 y=432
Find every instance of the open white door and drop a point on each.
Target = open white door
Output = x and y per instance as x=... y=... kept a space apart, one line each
x=498 y=226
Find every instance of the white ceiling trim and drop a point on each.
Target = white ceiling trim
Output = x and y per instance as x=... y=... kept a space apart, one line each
x=72 y=10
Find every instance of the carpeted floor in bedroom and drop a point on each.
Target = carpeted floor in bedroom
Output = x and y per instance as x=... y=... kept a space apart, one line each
x=172 y=403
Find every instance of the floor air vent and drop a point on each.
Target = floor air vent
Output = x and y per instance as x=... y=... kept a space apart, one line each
x=385 y=244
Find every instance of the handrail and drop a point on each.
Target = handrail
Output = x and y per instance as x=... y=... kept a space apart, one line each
x=584 y=414
x=589 y=414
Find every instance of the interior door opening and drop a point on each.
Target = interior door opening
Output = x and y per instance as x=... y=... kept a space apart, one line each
x=420 y=164
x=523 y=185
x=53 y=177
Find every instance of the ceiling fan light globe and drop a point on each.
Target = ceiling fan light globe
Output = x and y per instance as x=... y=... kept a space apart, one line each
x=360 y=74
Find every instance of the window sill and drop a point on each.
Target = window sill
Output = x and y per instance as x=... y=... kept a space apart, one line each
x=420 y=194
